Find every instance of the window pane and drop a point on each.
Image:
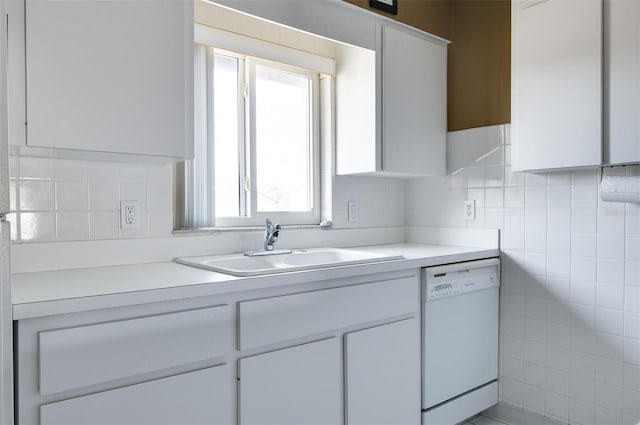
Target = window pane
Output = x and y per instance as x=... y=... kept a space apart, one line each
x=283 y=144
x=226 y=102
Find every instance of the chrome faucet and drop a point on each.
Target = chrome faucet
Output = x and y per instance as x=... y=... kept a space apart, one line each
x=271 y=235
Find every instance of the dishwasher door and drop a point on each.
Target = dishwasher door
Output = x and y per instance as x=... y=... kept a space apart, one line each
x=460 y=329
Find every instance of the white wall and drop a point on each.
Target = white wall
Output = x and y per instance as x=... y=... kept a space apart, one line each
x=570 y=312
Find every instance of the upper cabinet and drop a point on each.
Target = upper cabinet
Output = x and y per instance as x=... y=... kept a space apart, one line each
x=556 y=84
x=391 y=106
x=622 y=85
x=102 y=76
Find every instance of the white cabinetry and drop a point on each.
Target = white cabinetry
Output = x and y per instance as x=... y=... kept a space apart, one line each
x=622 y=47
x=399 y=126
x=292 y=386
x=556 y=84
x=381 y=382
x=313 y=353
x=102 y=76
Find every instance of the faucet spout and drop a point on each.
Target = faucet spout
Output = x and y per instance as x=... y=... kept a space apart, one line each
x=270 y=235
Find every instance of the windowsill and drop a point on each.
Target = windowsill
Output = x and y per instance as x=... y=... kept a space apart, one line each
x=212 y=230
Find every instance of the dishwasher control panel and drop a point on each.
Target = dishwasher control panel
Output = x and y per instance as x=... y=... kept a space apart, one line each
x=461 y=278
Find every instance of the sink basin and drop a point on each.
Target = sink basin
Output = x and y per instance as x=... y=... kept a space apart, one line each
x=303 y=259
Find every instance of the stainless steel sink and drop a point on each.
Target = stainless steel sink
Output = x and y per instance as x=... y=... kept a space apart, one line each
x=303 y=259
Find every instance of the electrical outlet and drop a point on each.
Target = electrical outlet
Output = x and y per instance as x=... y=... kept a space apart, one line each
x=129 y=215
x=353 y=212
x=470 y=209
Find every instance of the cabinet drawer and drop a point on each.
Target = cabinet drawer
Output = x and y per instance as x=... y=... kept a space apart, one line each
x=87 y=355
x=201 y=397
x=272 y=320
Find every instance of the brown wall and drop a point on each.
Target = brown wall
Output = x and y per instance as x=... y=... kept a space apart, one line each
x=479 y=68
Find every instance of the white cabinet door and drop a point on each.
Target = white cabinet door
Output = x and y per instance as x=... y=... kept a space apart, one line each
x=556 y=84
x=383 y=374
x=110 y=76
x=201 y=397
x=622 y=32
x=297 y=385
x=414 y=103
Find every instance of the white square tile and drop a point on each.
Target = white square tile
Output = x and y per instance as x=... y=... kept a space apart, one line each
x=102 y=172
x=585 y=196
x=512 y=368
x=610 y=321
x=36 y=168
x=513 y=240
x=536 y=179
x=104 y=197
x=584 y=244
x=633 y=247
x=534 y=375
x=583 y=341
x=475 y=177
x=611 y=220
x=160 y=197
x=610 y=347
x=558 y=336
x=559 y=220
x=610 y=245
x=633 y=220
x=559 y=178
x=583 y=268
x=630 y=405
x=494 y=177
x=584 y=220
x=631 y=377
x=36 y=195
x=559 y=288
x=559 y=243
x=583 y=365
x=610 y=296
x=536 y=197
x=535 y=219
x=632 y=299
x=132 y=173
x=558 y=358
x=558 y=313
x=494 y=197
x=608 y=416
x=559 y=197
x=514 y=197
x=72 y=226
x=70 y=170
x=632 y=325
x=104 y=224
x=535 y=331
x=609 y=371
x=581 y=413
x=557 y=382
x=534 y=399
x=37 y=226
x=583 y=316
x=513 y=325
x=13 y=195
x=513 y=178
x=559 y=266
x=477 y=195
x=534 y=352
x=582 y=388
x=160 y=223
x=535 y=263
x=558 y=406
x=513 y=347
x=134 y=192
x=514 y=218
x=585 y=177
x=512 y=391
x=611 y=271
x=632 y=272
x=583 y=292
x=72 y=196
x=534 y=308
x=535 y=241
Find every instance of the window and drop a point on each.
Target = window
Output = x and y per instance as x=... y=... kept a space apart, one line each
x=256 y=143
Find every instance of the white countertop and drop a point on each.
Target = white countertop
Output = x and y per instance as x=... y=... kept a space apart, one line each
x=40 y=294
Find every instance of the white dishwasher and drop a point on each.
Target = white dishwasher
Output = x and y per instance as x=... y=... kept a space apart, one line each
x=460 y=320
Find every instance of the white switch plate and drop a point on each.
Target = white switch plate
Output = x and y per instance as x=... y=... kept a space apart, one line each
x=353 y=212
x=470 y=209
x=129 y=215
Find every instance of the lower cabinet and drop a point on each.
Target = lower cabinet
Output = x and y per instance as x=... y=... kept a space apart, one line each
x=297 y=385
x=330 y=352
x=380 y=371
x=200 y=397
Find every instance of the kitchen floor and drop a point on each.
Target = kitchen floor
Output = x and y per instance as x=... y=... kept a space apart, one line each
x=483 y=420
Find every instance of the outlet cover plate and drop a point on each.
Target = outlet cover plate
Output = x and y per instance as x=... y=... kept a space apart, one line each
x=353 y=212
x=470 y=209
x=129 y=215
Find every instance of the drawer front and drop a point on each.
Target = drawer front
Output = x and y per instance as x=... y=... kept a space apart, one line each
x=87 y=355
x=277 y=319
x=201 y=397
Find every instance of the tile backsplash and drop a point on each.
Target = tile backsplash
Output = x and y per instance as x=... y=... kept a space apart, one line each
x=68 y=200
x=570 y=295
